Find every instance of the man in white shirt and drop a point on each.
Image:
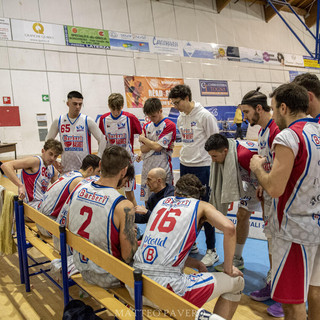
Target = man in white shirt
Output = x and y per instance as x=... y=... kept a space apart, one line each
x=196 y=125
x=75 y=131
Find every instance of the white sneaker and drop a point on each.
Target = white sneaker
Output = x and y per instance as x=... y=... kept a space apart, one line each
x=194 y=248
x=210 y=258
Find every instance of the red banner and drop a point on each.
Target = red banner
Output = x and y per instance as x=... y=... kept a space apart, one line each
x=139 y=89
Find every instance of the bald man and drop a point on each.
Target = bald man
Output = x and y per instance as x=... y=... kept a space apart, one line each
x=156 y=181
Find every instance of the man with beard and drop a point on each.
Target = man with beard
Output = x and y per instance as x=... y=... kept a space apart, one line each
x=100 y=214
x=256 y=110
x=294 y=185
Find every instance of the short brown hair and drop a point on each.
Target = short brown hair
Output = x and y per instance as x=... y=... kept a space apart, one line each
x=115 y=101
x=54 y=145
x=114 y=159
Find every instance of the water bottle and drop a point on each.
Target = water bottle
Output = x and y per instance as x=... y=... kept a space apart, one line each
x=203 y=314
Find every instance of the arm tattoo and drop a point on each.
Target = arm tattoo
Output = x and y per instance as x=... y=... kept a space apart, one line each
x=129 y=231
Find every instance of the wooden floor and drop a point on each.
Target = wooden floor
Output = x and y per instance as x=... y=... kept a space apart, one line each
x=45 y=301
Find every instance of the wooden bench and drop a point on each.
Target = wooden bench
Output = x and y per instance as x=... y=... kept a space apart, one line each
x=174 y=306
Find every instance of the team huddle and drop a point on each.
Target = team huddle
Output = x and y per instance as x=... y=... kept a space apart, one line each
x=279 y=174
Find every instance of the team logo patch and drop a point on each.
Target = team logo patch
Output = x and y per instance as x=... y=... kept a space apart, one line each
x=121 y=125
x=80 y=128
x=165 y=141
x=150 y=254
x=250 y=144
x=193 y=124
x=316 y=216
x=316 y=140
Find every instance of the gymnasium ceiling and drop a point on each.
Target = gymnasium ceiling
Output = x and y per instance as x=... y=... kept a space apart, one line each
x=305 y=8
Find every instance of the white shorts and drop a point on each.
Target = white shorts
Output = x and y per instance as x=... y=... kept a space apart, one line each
x=250 y=201
x=294 y=268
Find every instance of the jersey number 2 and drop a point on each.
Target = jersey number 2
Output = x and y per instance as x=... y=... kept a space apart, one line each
x=167 y=223
x=81 y=231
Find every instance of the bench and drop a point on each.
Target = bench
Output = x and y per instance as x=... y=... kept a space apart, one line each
x=114 y=300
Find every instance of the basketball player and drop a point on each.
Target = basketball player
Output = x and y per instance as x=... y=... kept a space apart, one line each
x=75 y=131
x=101 y=215
x=57 y=194
x=256 y=110
x=37 y=172
x=157 y=142
x=218 y=147
x=312 y=83
x=170 y=233
x=119 y=128
x=294 y=183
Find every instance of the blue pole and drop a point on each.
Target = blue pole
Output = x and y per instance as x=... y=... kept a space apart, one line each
x=137 y=274
x=24 y=246
x=317 y=32
x=16 y=214
x=286 y=23
x=64 y=264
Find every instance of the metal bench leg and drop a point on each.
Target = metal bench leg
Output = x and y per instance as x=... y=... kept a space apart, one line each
x=137 y=274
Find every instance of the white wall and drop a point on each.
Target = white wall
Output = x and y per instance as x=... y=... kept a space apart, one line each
x=29 y=70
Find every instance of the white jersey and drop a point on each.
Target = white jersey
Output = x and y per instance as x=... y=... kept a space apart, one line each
x=170 y=233
x=76 y=141
x=195 y=129
x=91 y=216
x=57 y=194
x=36 y=184
x=164 y=133
x=298 y=209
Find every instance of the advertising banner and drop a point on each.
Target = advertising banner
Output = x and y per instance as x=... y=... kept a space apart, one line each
x=37 y=32
x=129 y=42
x=197 y=50
x=310 y=62
x=250 y=55
x=139 y=89
x=273 y=57
x=293 y=60
x=5 y=30
x=165 y=46
x=87 y=37
x=214 y=88
x=293 y=74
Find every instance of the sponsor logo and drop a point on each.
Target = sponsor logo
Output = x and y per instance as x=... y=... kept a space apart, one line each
x=263 y=144
x=80 y=128
x=316 y=140
x=92 y=196
x=315 y=199
x=193 y=124
x=121 y=125
x=250 y=144
x=38 y=28
x=159 y=242
x=316 y=216
x=150 y=254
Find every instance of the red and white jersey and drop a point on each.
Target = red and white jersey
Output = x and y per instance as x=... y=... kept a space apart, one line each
x=298 y=209
x=76 y=141
x=164 y=133
x=169 y=236
x=245 y=150
x=120 y=130
x=265 y=140
x=91 y=216
x=36 y=184
x=57 y=194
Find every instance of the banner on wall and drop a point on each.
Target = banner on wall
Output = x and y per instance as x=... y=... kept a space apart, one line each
x=165 y=46
x=293 y=60
x=214 y=88
x=250 y=55
x=223 y=52
x=129 y=42
x=139 y=89
x=310 y=62
x=37 y=32
x=293 y=74
x=193 y=49
x=87 y=37
x=272 y=57
x=5 y=30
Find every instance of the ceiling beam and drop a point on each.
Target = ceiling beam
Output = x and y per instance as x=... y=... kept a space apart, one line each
x=221 y=4
x=299 y=11
x=269 y=13
x=312 y=17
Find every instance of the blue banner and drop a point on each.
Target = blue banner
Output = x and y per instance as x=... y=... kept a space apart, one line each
x=214 y=88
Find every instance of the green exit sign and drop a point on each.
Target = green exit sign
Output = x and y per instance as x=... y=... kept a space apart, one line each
x=45 y=97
